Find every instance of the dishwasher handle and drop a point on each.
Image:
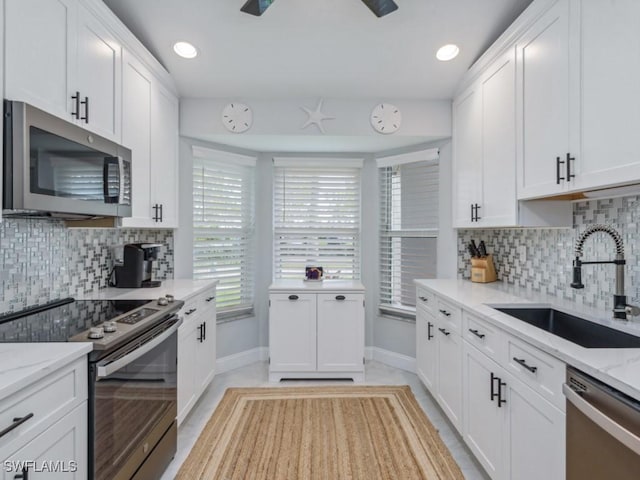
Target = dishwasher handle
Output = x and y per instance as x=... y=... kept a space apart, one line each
x=617 y=431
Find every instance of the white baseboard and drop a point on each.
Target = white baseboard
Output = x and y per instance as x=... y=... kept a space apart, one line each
x=261 y=354
x=240 y=359
x=394 y=359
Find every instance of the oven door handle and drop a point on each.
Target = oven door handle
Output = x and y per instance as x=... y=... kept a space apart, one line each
x=617 y=431
x=106 y=368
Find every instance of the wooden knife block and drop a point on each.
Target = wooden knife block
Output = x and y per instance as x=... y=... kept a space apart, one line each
x=483 y=270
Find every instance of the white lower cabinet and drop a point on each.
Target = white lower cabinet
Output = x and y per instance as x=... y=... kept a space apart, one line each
x=499 y=392
x=196 y=350
x=45 y=427
x=513 y=432
x=316 y=333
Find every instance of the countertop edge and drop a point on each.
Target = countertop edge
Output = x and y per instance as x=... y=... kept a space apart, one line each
x=66 y=353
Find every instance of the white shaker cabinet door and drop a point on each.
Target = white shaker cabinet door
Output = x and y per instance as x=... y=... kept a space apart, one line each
x=449 y=391
x=467 y=157
x=136 y=134
x=292 y=332
x=40 y=54
x=340 y=331
x=610 y=85
x=99 y=77
x=543 y=104
x=426 y=348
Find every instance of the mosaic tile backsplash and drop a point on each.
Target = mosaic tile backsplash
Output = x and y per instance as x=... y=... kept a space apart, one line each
x=42 y=260
x=545 y=262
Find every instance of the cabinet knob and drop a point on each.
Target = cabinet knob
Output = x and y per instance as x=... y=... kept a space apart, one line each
x=293 y=297
x=340 y=297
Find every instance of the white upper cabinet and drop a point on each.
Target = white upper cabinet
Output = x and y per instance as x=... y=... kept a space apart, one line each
x=61 y=59
x=543 y=105
x=99 y=77
x=40 y=53
x=578 y=98
x=610 y=92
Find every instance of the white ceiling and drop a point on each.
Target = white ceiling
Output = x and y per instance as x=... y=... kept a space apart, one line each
x=321 y=48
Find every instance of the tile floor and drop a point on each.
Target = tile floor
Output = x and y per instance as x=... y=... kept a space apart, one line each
x=256 y=375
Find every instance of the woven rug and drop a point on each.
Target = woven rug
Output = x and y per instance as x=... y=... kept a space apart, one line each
x=332 y=433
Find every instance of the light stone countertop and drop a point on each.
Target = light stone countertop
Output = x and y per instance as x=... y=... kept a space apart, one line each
x=617 y=367
x=22 y=364
x=324 y=286
x=181 y=289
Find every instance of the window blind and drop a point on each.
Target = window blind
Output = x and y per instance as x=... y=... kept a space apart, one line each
x=316 y=218
x=223 y=227
x=408 y=230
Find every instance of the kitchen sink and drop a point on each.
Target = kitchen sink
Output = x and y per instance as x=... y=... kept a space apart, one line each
x=575 y=329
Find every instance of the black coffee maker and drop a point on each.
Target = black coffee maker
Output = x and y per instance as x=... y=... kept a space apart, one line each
x=135 y=271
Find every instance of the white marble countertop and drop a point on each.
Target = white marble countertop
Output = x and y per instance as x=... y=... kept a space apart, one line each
x=22 y=364
x=324 y=286
x=618 y=367
x=181 y=289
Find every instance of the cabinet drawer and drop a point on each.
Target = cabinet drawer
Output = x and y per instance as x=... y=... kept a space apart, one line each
x=47 y=400
x=484 y=336
x=425 y=299
x=449 y=315
x=542 y=372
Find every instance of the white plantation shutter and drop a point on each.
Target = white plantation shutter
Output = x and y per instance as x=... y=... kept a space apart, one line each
x=223 y=226
x=316 y=218
x=408 y=227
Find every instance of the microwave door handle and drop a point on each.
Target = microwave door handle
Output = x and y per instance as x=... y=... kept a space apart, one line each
x=120 y=180
x=108 y=163
x=617 y=431
x=106 y=368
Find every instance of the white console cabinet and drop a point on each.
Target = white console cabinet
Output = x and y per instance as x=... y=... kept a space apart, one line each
x=316 y=330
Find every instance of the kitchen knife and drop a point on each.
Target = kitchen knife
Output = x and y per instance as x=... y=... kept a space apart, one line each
x=482 y=249
x=474 y=249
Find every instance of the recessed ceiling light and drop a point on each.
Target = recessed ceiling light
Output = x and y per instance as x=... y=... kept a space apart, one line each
x=185 y=49
x=447 y=52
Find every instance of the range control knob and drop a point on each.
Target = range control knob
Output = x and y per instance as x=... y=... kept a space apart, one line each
x=96 y=332
x=109 y=327
x=162 y=301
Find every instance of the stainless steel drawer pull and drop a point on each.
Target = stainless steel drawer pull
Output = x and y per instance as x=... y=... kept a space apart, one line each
x=477 y=333
x=293 y=297
x=445 y=313
x=17 y=421
x=444 y=331
x=522 y=362
x=210 y=298
x=340 y=297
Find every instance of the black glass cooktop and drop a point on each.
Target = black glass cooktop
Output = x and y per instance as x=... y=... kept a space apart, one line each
x=59 y=321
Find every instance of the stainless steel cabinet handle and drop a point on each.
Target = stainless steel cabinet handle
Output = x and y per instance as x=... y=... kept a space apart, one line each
x=16 y=423
x=617 y=431
x=523 y=362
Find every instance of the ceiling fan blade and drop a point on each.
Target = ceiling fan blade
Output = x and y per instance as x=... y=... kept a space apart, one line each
x=256 y=7
x=381 y=7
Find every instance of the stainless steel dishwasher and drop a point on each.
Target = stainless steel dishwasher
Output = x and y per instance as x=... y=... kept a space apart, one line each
x=603 y=430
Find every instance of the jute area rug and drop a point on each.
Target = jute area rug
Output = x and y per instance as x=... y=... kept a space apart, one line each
x=332 y=433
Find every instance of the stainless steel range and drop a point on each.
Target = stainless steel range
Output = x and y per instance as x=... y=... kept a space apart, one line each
x=132 y=377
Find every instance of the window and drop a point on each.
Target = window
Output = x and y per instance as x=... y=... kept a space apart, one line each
x=223 y=226
x=316 y=217
x=408 y=227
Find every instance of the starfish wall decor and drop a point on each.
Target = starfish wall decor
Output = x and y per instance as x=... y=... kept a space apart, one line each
x=316 y=117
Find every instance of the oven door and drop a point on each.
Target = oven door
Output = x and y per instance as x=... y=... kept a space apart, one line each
x=133 y=404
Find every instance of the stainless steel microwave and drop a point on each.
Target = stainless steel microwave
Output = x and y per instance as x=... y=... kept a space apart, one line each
x=51 y=165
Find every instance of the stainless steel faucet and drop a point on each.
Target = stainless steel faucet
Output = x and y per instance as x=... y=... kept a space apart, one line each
x=620 y=307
